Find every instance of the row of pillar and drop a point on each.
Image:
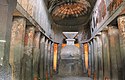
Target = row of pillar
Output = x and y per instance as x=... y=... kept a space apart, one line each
x=23 y=50
x=106 y=53
x=31 y=53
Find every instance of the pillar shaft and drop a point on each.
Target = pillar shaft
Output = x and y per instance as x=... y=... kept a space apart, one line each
x=55 y=57
x=42 y=51
x=49 y=59
x=90 y=59
x=82 y=54
x=115 y=53
x=6 y=7
x=121 y=24
x=86 y=52
x=100 y=58
x=45 y=60
x=58 y=55
x=82 y=57
x=96 y=73
x=36 y=54
x=106 y=54
x=92 y=56
x=28 y=57
x=17 y=46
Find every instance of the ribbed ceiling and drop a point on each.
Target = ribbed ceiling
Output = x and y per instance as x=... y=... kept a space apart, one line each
x=71 y=12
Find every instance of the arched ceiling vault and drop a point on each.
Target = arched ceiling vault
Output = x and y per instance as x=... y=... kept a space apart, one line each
x=70 y=12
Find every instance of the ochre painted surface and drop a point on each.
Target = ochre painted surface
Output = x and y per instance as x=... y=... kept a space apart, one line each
x=86 y=54
x=55 y=57
x=77 y=45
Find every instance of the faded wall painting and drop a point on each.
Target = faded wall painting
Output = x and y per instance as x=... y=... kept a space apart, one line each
x=114 y=5
x=99 y=12
x=103 y=10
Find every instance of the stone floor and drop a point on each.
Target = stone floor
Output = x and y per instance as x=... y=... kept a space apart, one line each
x=72 y=78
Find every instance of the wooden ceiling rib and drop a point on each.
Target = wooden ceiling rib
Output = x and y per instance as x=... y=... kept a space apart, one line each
x=71 y=12
x=70 y=9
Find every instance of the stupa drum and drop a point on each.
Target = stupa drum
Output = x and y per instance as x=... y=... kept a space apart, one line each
x=70 y=57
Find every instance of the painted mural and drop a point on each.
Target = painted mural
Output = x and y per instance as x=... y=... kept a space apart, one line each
x=99 y=12
x=114 y=4
x=103 y=10
x=28 y=41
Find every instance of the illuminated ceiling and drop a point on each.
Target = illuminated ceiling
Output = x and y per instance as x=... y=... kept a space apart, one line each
x=71 y=12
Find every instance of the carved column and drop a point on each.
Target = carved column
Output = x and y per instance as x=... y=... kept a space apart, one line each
x=55 y=55
x=96 y=72
x=115 y=53
x=36 y=55
x=45 y=60
x=49 y=59
x=6 y=9
x=90 y=59
x=100 y=57
x=121 y=27
x=106 y=54
x=58 y=55
x=26 y=62
x=93 y=59
x=82 y=57
x=86 y=57
x=17 y=46
x=42 y=51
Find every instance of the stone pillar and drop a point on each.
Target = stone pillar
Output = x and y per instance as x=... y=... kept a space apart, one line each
x=100 y=57
x=96 y=72
x=26 y=62
x=17 y=46
x=106 y=54
x=42 y=51
x=82 y=57
x=55 y=57
x=49 y=59
x=45 y=60
x=114 y=52
x=36 y=55
x=121 y=27
x=6 y=9
x=58 y=55
x=86 y=53
x=85 y=47
x=92 y=57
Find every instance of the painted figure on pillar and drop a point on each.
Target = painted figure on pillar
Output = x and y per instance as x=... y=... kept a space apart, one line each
x=29 y=39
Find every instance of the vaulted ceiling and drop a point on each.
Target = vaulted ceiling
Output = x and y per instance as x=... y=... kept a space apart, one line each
x=70 y=12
